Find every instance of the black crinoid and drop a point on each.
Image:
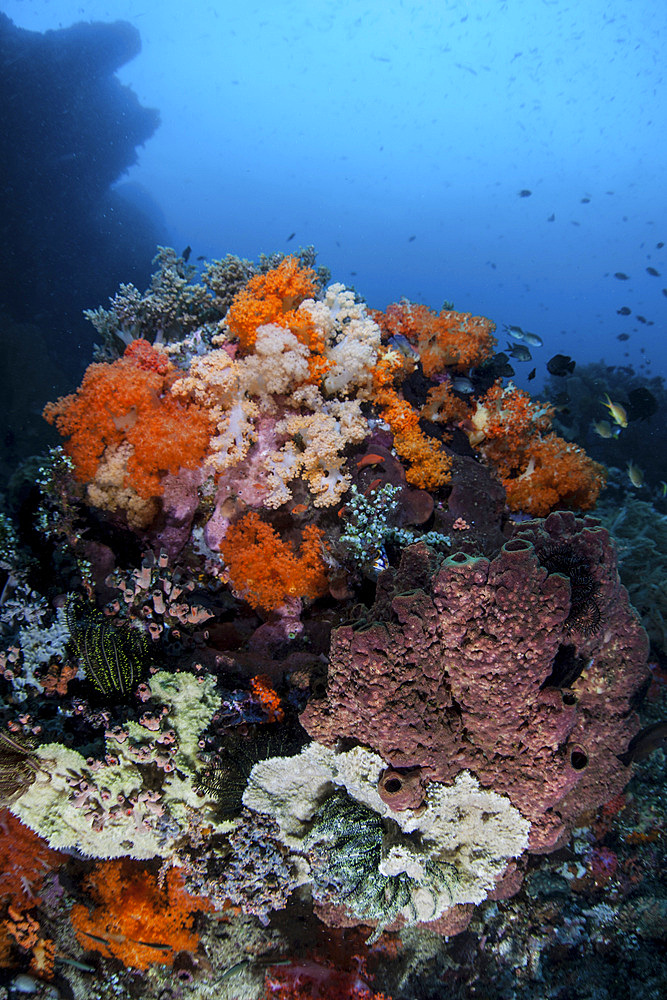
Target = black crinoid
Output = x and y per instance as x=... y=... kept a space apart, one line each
x=226 y=774
x=114 y=655
x=585 y=615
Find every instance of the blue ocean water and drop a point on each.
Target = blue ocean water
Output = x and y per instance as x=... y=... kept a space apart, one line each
x=396 y=138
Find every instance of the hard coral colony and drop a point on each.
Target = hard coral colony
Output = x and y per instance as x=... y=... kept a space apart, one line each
x=255 y=496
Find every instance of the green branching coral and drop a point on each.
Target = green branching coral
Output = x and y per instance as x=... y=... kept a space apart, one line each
x=346 y=841
x=114 y=656
x=368 y=528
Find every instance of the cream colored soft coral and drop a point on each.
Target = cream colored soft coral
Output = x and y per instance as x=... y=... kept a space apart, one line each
x=321 y=438
x=351 y=340
x=212 y=380
x=278 y=365
x=109 y=492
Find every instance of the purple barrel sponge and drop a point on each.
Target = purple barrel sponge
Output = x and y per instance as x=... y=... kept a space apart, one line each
x=523 y=669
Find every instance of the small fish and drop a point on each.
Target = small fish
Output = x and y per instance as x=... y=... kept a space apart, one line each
x=664 y=291
x=532 y=338
x=186 y=254
x=462 y=384
x=377 y=565
x=519 y=352
x=157 y=945
x=525 y=193
x=641 y=319
x=514 y=331
x=411 y=239
x=641 y=404
x=604 y=429
x=624 y=311
x=635 y=475
x=618 y=413
x=561 y=364
x=621 y=276
x=401 y=344
x=623 y=336
x=552 y=217
x=531 y=375
x=584 y=201
x=300 y=508
x=370 y=459
x=659 y=246
x=497 y=367
x=652 y=271
x=645 y=742
x=290 y=237
x=96 y=937
x=663 y=488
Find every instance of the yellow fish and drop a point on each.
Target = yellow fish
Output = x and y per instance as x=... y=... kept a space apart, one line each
x=603 y=428
x=617 y=412
x=635 y=475
x=663 y=488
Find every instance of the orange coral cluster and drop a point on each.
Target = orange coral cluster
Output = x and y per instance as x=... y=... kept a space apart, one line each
x=539 y=470
x=25 y=860
x=272 y=297
x=129 y=401
x=430 y=466
x=265 y=694
x=447 y=339
x=265 y=570
x=135 y=919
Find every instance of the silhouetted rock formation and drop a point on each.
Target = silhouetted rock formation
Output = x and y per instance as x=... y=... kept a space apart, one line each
x=67 y=240
x=71 y=129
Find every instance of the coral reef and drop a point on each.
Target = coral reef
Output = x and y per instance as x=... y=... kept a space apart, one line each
x=287 y=672
x=378 y=862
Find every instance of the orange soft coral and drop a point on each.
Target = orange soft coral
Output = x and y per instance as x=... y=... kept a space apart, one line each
x=504 y=424
x=443 y=406
x=558 y=474
x=265 y=570
x=447 y=339
x=430 y=467
x=539 y=470
x=24 y=861
x=129 y=402
x=135 y=919
x=265 y=694
x=273 y=297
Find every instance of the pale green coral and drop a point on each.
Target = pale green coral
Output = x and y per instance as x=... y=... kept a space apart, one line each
x=138 y=801
x=451 y=851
